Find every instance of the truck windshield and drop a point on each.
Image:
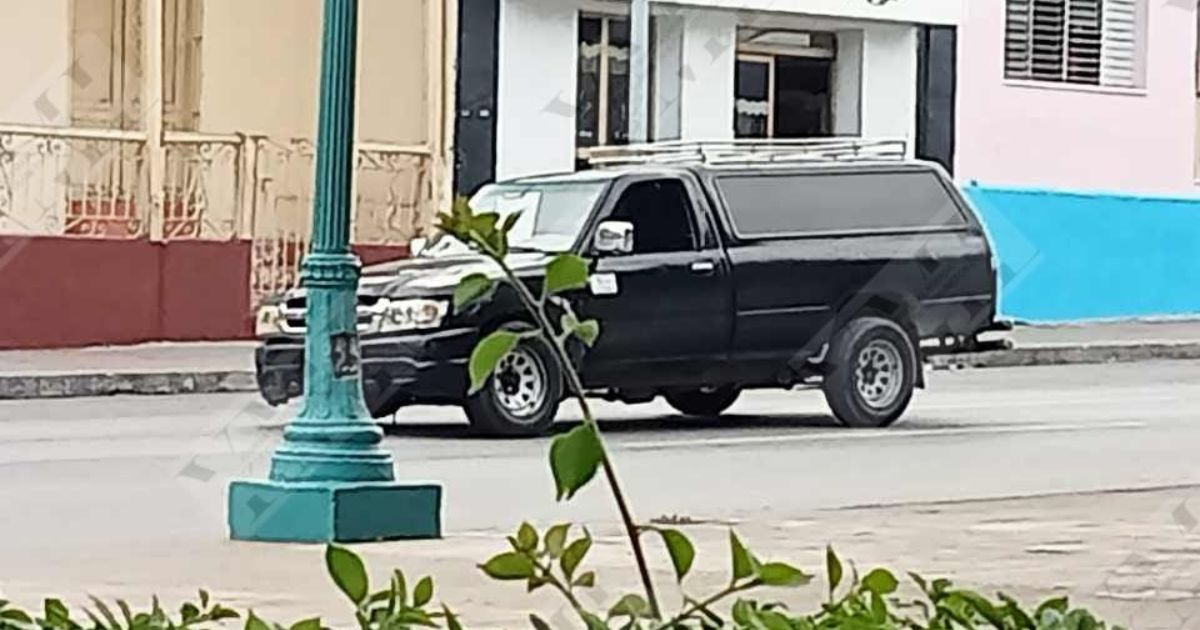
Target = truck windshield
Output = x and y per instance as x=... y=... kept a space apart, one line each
x=552 y=213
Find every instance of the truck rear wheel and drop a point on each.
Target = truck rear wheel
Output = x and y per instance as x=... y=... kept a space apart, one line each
x=873 y=367
x=703 y=402
x=520 y=398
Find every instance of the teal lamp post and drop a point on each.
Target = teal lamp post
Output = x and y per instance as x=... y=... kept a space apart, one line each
x=330 y=479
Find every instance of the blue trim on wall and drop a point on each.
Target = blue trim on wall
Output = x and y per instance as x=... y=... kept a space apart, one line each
x=1070 y=256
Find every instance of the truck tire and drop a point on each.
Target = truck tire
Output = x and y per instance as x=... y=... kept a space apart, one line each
x=872 y=373
x=520 y=399
x=703 y=402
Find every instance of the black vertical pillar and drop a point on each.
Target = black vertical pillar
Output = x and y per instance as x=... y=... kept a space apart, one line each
x=475 y=90
x=937 y=68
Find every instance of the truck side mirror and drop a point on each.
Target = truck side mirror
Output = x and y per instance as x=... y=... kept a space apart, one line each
x=614 y=237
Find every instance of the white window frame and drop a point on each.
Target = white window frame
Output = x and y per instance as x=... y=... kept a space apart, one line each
x=606 y=52
x=1121 y=39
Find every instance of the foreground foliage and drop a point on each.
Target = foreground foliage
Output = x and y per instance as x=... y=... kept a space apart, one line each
x=555 y=558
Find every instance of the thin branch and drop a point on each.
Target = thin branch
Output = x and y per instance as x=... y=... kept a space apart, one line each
x=537 y=309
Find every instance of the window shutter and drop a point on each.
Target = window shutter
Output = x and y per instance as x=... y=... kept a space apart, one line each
x=1017 y=46
x=1048 y=30
x=1083 y=41
x=1118 y=62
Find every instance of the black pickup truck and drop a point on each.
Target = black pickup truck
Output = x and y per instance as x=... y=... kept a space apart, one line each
x=707 y=280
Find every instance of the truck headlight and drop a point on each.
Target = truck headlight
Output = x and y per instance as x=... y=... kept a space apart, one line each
x=268 y=321
x=413 y=314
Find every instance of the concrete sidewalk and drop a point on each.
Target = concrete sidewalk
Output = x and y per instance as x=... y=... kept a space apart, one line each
x=176 y=368
x=1130 y=556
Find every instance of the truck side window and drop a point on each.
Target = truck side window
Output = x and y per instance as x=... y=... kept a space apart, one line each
x=661 y=214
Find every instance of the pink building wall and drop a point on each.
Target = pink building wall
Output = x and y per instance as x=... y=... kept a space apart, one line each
x=1073 y=137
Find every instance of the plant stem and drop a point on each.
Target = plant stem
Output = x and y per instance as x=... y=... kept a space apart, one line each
x=537 y=309
x=565 y=590
x=703 y=605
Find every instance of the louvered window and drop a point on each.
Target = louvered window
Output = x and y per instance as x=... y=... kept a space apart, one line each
x=1090 y=42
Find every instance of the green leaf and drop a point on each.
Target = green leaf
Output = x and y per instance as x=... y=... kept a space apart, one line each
x=575 y=457
x=780 y=574
x=743 y=562
x=833 y=568
x=566 y=272
x=307 y=624
x=681 y=550
x=509 y=566
x=487 y=355
x=112 y=619
x=879 y=610
x=1018 y=614
x=220 y=612
x=536 y=582
x=593 y=622
x=471 y=289
x=585 y=580
x=538 y=623
x=254 y=623
x=14 y=614
x=188 y=612
x=203 y=598
x=347 y=571
x=586 y=331
x=556 y=539
x=56 y=613
x=772 y=620
x=880 y=581
x=398 y=592
x=632 y=606
x=743 y=613
x=451 y=619
x=527 y=538
x=423 y=592
x=574 y=555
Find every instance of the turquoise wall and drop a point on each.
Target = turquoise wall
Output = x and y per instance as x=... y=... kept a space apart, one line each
x=1068 y=256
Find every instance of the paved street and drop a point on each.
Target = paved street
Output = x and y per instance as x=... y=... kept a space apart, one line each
x=86 y=480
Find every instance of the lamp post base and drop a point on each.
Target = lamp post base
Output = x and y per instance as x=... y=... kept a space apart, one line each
x=322 y=512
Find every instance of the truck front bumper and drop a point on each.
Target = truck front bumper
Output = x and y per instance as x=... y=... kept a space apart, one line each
x=424 y=367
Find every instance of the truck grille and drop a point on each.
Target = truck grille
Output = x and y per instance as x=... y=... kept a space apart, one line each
x=296 y=309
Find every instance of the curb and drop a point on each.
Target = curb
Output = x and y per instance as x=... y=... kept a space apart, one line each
x=76 y=385
x=1069 y=355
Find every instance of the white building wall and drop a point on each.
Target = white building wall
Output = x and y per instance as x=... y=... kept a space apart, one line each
x=889 y=82
x=536 y=87
x=668 y=75
x=709 y=64
x=875 y=77
x=847 y=84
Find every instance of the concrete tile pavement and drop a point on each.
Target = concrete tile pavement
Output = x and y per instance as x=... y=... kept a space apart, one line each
x=1133 y=557
x=171 y=368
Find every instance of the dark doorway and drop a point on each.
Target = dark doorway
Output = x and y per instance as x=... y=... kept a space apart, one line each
x=802 y=97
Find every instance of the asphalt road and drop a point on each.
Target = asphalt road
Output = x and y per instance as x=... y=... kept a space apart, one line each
x=111 y=471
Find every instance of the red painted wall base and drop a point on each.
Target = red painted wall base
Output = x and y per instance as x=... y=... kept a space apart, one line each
x=60 y=292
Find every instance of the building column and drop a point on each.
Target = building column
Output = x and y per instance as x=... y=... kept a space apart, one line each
x=152 y=114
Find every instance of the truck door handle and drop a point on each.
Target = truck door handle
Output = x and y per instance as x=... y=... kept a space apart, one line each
x=703 y=267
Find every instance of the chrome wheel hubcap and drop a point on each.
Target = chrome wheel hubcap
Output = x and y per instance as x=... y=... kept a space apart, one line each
x=519 y=384
x=879 y=375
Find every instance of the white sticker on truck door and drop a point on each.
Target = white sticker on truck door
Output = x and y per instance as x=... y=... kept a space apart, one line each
x=603 y=283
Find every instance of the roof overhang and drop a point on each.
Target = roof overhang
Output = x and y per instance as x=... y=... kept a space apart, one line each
x=939 y=12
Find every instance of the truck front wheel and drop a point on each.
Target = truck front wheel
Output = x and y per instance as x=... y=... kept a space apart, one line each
x=520 y=398
x=872 y=372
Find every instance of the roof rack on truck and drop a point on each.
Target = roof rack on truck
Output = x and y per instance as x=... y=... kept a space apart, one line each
x=751 y=152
